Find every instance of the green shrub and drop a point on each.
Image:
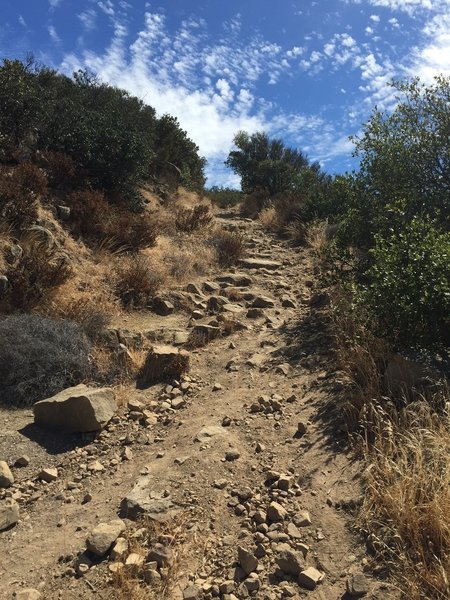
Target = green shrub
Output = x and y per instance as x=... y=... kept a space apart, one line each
x=39 y=357
x=409 y=291
x=224 y=197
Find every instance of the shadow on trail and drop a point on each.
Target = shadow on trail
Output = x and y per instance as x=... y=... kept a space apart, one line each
x=309 y=346
x=54 y=442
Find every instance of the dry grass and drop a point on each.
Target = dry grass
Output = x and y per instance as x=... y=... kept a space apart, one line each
x=406 y=509
x=316 y=237
x=269 y=219
x=137 y=281
x=230 y=247
x=128 y=583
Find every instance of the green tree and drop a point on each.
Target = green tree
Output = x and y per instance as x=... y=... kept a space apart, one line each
x=405 y=157
x=267 y=164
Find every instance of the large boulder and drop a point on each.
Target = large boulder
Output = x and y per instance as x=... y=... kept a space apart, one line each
x=78 y=409
x=164 y=363
x=9 y=513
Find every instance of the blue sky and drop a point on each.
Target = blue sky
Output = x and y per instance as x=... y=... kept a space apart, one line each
x=306 y=71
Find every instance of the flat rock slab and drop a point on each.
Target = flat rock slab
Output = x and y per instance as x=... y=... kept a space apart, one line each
x=236 y=279
x=260 y=263
x=208 y=432
x=79 y=409
x=143 y=500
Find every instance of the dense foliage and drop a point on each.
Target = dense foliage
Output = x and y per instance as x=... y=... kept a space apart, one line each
x=272 y=172
x=115 y=140
x=396 y=210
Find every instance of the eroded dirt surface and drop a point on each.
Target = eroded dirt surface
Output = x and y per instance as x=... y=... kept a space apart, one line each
x=283 y=356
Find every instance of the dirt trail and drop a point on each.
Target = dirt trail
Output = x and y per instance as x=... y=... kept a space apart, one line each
x=284 y=356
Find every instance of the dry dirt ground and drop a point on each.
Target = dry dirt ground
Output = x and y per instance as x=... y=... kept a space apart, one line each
x=285 y=357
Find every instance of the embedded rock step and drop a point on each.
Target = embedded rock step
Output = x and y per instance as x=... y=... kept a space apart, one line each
x=143 y=500
x=163 y=363
x=79 y=409
x=260 y=263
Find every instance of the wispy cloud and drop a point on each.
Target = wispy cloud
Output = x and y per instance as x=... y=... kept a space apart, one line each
x=53 y=34
x=88 y=19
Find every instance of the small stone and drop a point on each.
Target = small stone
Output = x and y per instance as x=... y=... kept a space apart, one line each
x=276 y=512
x=151 y=576
x=227 y=587
x=48 y=475
x=119 y=549
x=22 y=461
x=6 y=477
x=284 y=483
x=309 y=578
x=103 y=536
x=233 y=454
x=115 y=567
x=288 y=560
x=247 y=560
x=160 y=554
x=302 y=428
x=27 y=594
x=193 y=592
x=357 y=585
x=9 y=513
x=216 y=387
x=303 y=519
x=178 y=403
x=95 y=467
x=220 y=484
x=134 y=560
x=127 y=454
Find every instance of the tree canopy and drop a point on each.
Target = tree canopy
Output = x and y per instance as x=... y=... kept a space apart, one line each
x=265 y=163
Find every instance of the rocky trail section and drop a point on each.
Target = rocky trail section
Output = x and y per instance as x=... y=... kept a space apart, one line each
x=251 y=492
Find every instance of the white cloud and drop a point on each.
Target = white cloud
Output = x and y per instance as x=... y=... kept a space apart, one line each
x=368 y=30
x=375 y=18
x=107 y=7
x=22 y=21
x=88 y=18
x=53 y=34
x=209 y=84
x=54 y=3
x=432 y=57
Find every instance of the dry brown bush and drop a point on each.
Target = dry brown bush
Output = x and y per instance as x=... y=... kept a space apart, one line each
x=59 y=167
x=296 y=231
x=252 y=204
x=268 y=218
x=137 y=281
x=36 y=275
x=230 y=247
x=97 y=222
x=189 y=220
x=20 y=190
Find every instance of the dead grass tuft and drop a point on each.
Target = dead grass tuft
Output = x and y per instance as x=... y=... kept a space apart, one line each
x=230 y=247
x=137 y=281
